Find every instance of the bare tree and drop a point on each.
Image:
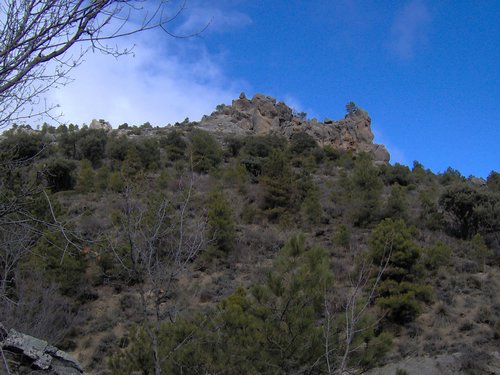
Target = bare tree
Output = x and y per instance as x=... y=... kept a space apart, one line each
x=363 y=286
x=161 y=239
x=37 y=40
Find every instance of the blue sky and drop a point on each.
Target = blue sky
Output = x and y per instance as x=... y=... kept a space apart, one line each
x=428 y=72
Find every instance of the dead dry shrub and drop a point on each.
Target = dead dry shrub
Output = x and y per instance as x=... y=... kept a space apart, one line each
x=473 y=361
x=442 y=315
x=484 y=314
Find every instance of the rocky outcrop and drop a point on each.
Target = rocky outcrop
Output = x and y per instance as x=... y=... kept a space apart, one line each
x=25 y=354
x=100 y=125
x=262 y=115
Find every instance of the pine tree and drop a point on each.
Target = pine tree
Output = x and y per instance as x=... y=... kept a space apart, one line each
x=221 y=222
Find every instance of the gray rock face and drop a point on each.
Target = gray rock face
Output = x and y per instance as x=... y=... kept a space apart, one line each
x=100 y=124
x=263 y=115
x=24 y=353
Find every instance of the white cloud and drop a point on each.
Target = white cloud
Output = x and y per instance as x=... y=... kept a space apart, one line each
x=200 y=17
x=164 y=81
x=409 y=29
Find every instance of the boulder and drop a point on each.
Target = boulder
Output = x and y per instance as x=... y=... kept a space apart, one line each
x=100 y=125
x=23 y=353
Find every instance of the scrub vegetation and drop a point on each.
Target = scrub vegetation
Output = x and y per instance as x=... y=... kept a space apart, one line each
x=167 y=250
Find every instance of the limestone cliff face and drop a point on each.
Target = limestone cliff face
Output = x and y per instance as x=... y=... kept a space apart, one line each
x=262 y=115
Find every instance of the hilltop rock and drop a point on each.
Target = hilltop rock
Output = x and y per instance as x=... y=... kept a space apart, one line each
x=100 y=125
x=262 y=115
x=26 y=355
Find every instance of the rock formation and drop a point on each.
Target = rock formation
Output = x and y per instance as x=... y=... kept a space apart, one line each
x=263 y=115
x=100 y=124
x=25 y=354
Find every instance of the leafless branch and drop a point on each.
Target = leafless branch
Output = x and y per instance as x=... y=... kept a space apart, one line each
x=38 y=40
x=162 y=239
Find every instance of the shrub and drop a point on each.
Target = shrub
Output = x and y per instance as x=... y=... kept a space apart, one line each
x=342 y=236
x=402 y=308
x=281 y=196
x=102 y=178
x=175 y=145
x=450 y=176
x=22 y=145
x=397 y=205
x=60 y=264
x=302 y=143
x=430 y=216
x=59 y=174
x=86 y=177
x=149 y=152
x=116 y=183
x=162 y=180
x=233 y=145
x=132 y=165
x=67 y=141
x=311 y=207
x=493 y=181
x=396 y=174
x=479 y=251
x=221 y=223
x=91 y=145
x=206 y=151
x=117 y=148
x=436 y=256
x=400 y=292
x=263 y=146
x=367 y=188
x=470 y=210
x=331 y=153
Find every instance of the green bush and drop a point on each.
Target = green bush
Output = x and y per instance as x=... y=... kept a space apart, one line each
x=493 y=181
x=117 y=148
x=263 y=146
x=206 y=151
x=400 y=292
x=175 y=145
x=302 y=143
x=470 y=210
x=396 y=174
x=367 y=188
x=116 y=183
x=281 y=195
x=397 y=203
x=149 y=152
x=233 y=145
x=479 y=251
x=85 y=181
x=59 y=174
x=132 y=165
x=220 y=223
x=22 y=145
x=342 y=236
x=102 y=178
x=91 y=145
x=437 y=256
x=270 y=328
x=59 y=263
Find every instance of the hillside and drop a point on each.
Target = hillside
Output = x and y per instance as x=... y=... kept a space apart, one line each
x=254 y=241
